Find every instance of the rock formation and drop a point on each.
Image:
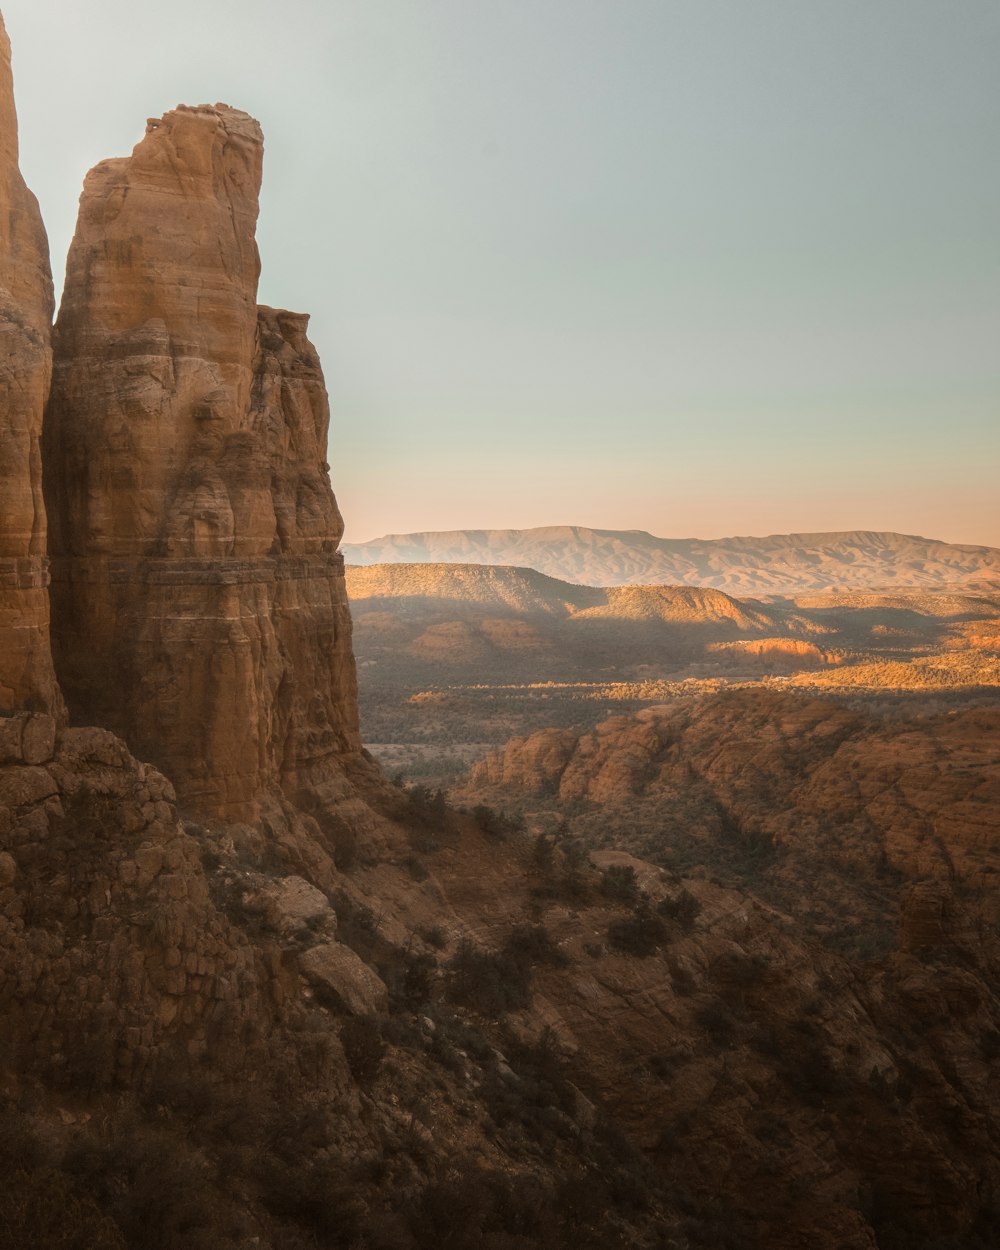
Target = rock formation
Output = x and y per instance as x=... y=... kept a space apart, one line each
x=218 y=1035
x=26 y=676
x=198 y=590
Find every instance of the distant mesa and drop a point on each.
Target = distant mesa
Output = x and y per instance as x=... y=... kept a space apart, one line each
x=777 y=564
x=412 y=588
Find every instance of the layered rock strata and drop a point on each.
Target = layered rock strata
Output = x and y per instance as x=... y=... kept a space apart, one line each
x=197 y=584
x=26 y=675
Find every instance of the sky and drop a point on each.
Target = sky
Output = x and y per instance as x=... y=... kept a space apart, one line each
x=698 y=267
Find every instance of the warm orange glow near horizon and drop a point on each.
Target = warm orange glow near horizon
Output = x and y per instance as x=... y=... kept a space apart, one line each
x=697 y=268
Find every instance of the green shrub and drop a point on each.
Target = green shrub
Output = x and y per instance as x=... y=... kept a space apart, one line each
x=435 y=936
x=682 y=979
x=638 y=934
x=619 y=881
x=416 y=868
x=489 y=982
x=543 y=854
x=410 y=977
x=533 y=944
x=315 y=1198
x=810 y=1073
x=151 y=1184
x=497 y=825
x=357 y=924
x=684 y=909
x=468 y=1206
x=718 y=1021
x=41 y=1210
x=363 y=1046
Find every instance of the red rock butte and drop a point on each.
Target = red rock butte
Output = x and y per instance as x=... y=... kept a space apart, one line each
x=194 y=532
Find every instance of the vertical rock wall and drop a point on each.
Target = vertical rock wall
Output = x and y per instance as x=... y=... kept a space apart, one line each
x=27 y=680
x=198 y=593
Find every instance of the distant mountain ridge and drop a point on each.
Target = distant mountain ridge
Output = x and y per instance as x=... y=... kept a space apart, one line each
x=775 y=564
x=410 y=589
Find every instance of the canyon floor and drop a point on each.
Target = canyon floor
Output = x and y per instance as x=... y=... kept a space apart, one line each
x=456 y=659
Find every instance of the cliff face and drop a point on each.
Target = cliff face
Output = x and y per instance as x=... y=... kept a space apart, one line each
x=26 y=676
x=197 y=586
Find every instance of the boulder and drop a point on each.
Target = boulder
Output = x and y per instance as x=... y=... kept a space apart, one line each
x=337 y=971
x=292 y=904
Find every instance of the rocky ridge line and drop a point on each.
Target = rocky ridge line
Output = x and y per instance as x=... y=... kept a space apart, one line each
x=777 y=564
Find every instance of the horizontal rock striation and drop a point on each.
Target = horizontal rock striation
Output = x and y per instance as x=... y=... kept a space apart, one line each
x=27 y=679
x=197 y=583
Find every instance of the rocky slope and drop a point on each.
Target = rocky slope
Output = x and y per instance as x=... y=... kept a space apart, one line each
x=875 y=840
x=802 y=783
x=199 y=595
x=778 y=564
x=26 y=676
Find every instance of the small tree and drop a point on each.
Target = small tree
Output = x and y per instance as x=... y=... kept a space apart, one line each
x=575 y=860
x=361 y=1039
x=684 y=909
x=639 y=934
x=620 y=882
x=542 y=854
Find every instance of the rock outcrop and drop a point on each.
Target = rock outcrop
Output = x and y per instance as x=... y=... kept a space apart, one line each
x=26 y=675
x=790 y=653
x=818 y=801
x=198 y=591
x=871 y=844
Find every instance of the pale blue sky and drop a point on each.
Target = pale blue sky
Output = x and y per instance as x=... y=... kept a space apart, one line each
x=693 y=266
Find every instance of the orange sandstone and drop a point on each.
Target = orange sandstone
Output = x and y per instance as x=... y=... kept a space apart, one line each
x=27 y=680
x=198 y=588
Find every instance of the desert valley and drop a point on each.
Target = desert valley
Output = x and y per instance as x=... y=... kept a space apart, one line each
x=455 y=656
x=503 y=889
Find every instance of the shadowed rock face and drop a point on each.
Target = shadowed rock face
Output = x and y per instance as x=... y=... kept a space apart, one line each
x=26 y=675
x=194 y=532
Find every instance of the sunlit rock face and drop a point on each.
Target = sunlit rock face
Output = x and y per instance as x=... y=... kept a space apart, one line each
x=197 y=583
x=27 y=680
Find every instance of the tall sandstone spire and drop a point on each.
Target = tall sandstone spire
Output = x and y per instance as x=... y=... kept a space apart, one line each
x=198 y=594
x=27 y=680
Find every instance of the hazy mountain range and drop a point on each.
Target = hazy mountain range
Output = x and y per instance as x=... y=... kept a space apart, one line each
x=776 y=564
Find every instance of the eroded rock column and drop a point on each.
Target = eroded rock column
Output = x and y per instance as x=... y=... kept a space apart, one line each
x=194 y=531
x=27 y=679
